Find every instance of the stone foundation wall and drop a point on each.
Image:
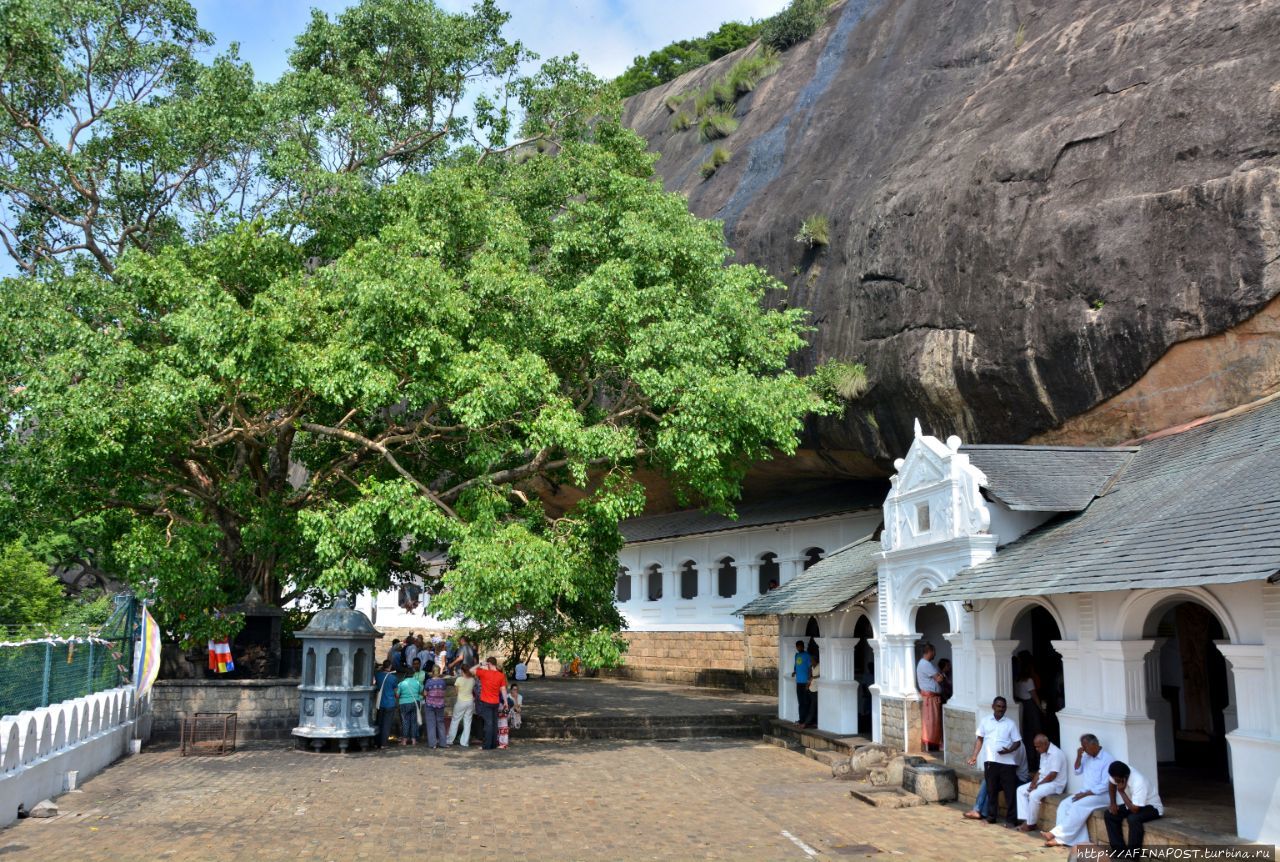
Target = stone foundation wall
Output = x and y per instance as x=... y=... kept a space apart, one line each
x=892 y=710
x=760 y=656
x=958 y=732
x=265 y=708
x=714 y=659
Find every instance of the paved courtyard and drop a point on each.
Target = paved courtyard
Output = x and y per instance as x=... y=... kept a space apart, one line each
x=700 y=799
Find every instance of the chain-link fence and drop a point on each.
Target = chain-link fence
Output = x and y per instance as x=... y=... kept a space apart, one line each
x=36 y=672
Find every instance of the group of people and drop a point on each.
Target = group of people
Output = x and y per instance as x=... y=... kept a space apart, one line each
x=1129 y=796
x=410 y=688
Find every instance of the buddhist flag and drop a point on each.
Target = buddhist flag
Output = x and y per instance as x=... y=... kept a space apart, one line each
x=220 y=657
x=146 y=664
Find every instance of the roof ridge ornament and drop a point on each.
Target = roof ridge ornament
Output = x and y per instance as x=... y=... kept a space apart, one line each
x=918 y=432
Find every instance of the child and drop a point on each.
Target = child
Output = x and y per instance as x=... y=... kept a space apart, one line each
x=516 y=701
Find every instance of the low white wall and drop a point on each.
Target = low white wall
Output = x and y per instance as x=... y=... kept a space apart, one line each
x=39 y=747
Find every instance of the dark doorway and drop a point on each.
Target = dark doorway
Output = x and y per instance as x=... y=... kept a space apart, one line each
x=1037 y=678
x=727 y=578
x=864 y=671
x=770 y=572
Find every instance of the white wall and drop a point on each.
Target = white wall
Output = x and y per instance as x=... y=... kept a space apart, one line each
x=38 y=748
x=709 y=611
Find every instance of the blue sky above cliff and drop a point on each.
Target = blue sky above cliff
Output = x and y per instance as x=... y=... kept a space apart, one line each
x=607 y=34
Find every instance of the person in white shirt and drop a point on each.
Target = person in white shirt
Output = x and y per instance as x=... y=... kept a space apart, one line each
x=1073 y=813
x=999 y=740
x=929 y=682
x=1138 y=803
x=1049 y=779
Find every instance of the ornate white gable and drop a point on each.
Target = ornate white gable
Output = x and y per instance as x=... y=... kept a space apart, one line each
x=934 y=496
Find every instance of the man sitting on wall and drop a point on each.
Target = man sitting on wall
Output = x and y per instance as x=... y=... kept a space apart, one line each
x=999 y=740
x=1138 y=803
x=929 y=681
x=1073 y=813
x=1051 y=778
x=803 y=673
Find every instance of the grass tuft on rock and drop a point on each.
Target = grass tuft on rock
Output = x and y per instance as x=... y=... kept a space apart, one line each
x=680 y=122
x=814 y=231
x=719 y=156
x=721 y=124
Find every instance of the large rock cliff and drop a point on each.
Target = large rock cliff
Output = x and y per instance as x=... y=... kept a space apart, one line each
x=1030 y=203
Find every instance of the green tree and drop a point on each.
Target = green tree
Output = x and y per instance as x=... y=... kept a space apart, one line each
x=417 y=333
x=672 y=61
x=112 y=134
x=29 y=595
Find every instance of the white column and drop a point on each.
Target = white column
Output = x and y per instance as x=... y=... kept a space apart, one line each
x=749 y=580
x=789 y=568
x=994 y=675
x=1123 y=726
x=788 y=706
x=1255 y=749
x=877 y=733
x=964 y=662
x=707 y=581
x=895 y=665
x=837 y=689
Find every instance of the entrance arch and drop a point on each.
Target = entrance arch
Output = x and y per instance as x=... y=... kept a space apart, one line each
x=864 y=671
x=1191 y=705
x=1038 y=682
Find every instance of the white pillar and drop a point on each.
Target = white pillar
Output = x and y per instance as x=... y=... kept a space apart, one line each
x=1123 y=726
x=789 y=568
x=877 y=733
x=837 y=689
x=788 y=706
x=994 y=675
x=749 y=580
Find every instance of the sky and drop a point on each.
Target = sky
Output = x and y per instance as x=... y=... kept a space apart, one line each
x=606 y=34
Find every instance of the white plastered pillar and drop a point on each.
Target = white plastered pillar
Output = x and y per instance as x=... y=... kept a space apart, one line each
x=1123 y=726
x=994 y=677
x=788 y=568
x=1255 y=750
x=877 y=733
x=788 y=706
x=837 y=689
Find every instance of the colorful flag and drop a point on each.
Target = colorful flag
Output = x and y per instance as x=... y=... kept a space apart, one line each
x=146 y=665
x=220 y=657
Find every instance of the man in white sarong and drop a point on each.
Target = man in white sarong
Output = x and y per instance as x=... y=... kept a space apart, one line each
x=1095 y=783
x=1052 y=778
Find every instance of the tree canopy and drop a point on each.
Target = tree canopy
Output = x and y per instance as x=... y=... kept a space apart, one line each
x=407 y=321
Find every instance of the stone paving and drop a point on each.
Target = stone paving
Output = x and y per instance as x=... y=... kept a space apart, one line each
x=697 y=799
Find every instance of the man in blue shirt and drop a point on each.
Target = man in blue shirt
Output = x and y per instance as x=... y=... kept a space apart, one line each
x=384 y=695
x=802 y=671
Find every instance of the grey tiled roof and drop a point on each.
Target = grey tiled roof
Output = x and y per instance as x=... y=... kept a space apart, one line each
x=825 y=585
x=1047 y=478
x=1198 y=507
x=831 y=500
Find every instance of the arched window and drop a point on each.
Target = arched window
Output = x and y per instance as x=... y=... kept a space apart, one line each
x=360 y=669
x=622 y=587
x=770 y=572
x=727 y=579
x=309 y=668
x=333 y=667
x=689 y=580
x=654 y=582
x=812 y=556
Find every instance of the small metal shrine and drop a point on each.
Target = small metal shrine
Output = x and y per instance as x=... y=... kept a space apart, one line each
x=337 y=678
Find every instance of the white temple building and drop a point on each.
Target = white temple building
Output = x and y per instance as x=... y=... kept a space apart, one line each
x=1141 y=581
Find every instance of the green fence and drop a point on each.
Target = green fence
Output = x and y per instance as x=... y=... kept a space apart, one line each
x=36 y=672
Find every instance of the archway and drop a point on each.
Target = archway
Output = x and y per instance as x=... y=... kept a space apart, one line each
x=1192 y=710
x=812 y=556
x=932 y=624
x=864 y=671
x=770 y=572
x=1038 y=687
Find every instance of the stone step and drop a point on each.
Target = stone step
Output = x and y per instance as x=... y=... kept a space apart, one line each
x=827 y=757
x=781 y=742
